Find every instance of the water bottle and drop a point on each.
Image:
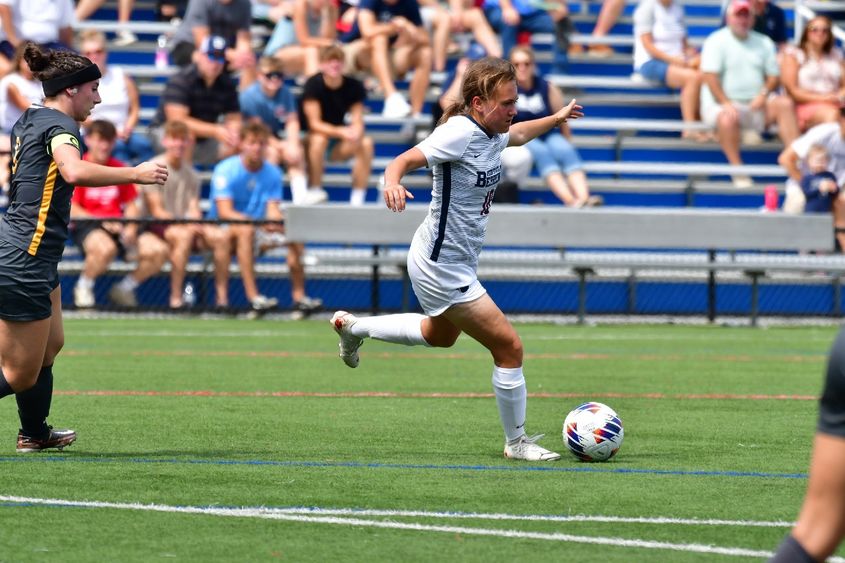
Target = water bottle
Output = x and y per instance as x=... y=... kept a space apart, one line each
x=189 y=295
x=770 y=198
x=161 y=61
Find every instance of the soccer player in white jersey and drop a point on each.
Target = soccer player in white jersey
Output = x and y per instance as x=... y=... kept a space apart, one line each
x=464 y=151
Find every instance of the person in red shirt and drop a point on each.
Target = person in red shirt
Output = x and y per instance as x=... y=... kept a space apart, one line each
x=102 y=242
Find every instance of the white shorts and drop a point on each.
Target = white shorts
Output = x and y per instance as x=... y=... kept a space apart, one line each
x=748 y=118
x=439 y=286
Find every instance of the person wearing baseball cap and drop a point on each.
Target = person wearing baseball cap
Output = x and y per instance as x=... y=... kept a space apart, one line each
x=740 y=74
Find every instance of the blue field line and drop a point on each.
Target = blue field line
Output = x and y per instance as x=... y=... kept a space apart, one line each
x=372 y=465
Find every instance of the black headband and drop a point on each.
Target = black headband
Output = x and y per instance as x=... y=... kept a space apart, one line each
x=55 y=85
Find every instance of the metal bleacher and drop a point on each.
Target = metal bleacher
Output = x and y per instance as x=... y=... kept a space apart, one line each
x=630 y=128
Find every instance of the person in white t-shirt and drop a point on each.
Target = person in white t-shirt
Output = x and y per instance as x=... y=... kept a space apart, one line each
x=464 y=152
x=831 y=136
x=662 y=55
x=121 y=103
x=46 y=22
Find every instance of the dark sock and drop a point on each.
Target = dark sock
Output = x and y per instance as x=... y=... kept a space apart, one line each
x=5 y=388
x=790 y=551
x=34 y=405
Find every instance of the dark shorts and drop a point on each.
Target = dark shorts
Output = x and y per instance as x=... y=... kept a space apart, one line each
x=832 y=404
x=80 y=231
x=25 y=285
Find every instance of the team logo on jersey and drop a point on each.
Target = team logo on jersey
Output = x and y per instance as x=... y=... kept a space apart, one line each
x=488 y=178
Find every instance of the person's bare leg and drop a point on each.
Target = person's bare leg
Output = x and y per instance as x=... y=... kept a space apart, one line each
x=689 y=82
x=244 y=251
x=180 y=238
x=380 y=65
x=297 y=271
x=557 y=183
x=821 y=523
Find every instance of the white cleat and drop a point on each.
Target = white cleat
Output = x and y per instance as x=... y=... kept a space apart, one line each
x=349 y=343
x=527 y=449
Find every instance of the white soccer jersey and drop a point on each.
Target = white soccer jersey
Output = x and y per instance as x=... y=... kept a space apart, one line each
x=467 y=167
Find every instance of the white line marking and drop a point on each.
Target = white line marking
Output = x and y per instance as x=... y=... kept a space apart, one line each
x=276 y=515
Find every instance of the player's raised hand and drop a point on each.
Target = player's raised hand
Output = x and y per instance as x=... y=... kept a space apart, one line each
x=151 y=173
x=395 y=195
x=570 y=111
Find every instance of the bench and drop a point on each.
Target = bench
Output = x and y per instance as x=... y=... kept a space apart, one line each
x=669 y=234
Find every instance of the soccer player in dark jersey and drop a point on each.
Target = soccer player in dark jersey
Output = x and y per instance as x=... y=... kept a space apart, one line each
x=821 y=524
x=46 y=163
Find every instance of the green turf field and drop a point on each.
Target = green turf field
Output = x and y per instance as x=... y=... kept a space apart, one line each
x=250 y=441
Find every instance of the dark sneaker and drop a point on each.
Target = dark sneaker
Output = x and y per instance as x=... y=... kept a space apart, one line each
x=57 y=439
x=263 y=303
x=308 y=305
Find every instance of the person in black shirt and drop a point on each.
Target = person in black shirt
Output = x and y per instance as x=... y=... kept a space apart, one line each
x=326 y=99
x=200 y=96
x=46 y=163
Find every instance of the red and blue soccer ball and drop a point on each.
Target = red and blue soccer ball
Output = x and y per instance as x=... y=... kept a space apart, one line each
x=593 y=432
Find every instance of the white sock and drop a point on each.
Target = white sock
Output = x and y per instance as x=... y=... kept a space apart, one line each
x=404 y=328
x=85 y=282
x=512 y=399
x=358 y=196
x=298 y=187
x=128 y=284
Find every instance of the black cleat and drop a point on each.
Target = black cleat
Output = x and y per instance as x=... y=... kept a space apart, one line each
x=57 y=439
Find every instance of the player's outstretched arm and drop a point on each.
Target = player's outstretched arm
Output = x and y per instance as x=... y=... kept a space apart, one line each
x=524 y=131
x=395 y=193
x=80 y=172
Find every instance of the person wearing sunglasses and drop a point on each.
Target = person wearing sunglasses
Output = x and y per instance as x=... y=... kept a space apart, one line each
x=813 y=73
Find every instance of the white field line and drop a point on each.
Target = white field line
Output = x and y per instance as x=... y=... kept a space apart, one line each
x=334 y=520
x=583 y=337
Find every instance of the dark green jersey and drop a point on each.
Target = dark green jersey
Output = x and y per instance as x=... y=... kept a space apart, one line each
x=39 y=198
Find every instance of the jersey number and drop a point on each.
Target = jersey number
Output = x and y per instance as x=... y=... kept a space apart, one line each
x=16 y=155
x=488 y=201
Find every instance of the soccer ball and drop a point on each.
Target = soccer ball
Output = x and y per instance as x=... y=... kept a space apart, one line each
x=593 y=432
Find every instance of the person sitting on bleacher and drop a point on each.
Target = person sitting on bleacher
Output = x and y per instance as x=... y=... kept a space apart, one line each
x=609 y=13
x=556 y=160
x=459 y=16
x=830 y=136
x=511 y=17
x=740 y=77
x=202 y=96
x=296 y=40
x=392 y=39
x=769 y=19
x=269 y=101
x=102 y=242
x=246 y=186
x=327 y=98
x=179 y=198
x=46 y=22
x=662 y=55
x=229 y=19
x=120 y=101
x=813 y=73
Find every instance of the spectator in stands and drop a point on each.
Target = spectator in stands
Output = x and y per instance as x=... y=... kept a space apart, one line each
x=179 y=198
x=394 y=40
x=202 y=95
x=171 y=10
x=556 y=160
x=740 y=78
x=86 y=8
x=446 y=21
x=769 y=19
x=121 y=104
x=327 y=98
x=18 y=90
x=229 y=19
x=830 y=136
x=813 y=73
x=246 y=186
x=46 y=22
x=511 y=17
x=296 y=40
x=271 y=102
x=102 y=242
x=609 y=13
x=819 y=185
x=662 y=55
